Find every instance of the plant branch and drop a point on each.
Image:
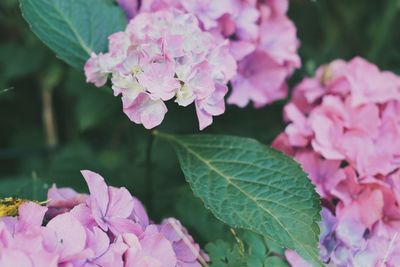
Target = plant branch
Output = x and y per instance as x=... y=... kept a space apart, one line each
x=48 y=117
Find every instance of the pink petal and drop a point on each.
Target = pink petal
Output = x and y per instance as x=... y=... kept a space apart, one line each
x=71 y=236
x=144 y=110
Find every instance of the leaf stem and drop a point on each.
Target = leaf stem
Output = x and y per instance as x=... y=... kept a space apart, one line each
x=148 y=173
x=49 y=120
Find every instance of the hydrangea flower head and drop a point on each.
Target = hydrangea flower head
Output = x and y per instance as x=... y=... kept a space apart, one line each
x=261 y=38
x=191 y=50
x=344 y=130
x=108 y=228
x=161 y=56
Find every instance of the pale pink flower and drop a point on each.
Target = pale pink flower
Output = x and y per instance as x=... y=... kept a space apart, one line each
x=95 y=70
x=61 y=200
x=130 y=6
x=162 y=55
x=295 y=260
x=259 y=80
x=108 y=228
x=250 y=28
x=146 y=111
x=151 y=249
x=188 y=253
x=159 y=80
x=344 y=130
x=212 y=105
x=110 y=206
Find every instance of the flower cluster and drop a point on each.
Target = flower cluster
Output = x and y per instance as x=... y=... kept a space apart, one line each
x=345 y=131
x=190 y=49
x=262 y=39
x=163 y=55
x=108 y=228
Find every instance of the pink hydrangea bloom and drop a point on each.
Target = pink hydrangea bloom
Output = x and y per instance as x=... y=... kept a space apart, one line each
x=262 y=40
x=108 y=228
x=344 y=130
x=130 y=6
x=150 y=249
x=165 y=55
x=189 y=50
x=61 y=200
x=188 y=253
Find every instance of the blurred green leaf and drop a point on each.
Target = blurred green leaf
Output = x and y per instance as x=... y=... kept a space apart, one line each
x=32 y=188
x=17 y=60
x=273 y=247
x=223 y=254
x=249 y=249
x=94 y=107
x=52 y=76
x=275 y=262
x=248 y=185
x=73 y=29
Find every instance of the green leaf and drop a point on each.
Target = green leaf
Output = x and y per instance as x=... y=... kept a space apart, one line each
x=275 y=262
x=256 y=244
x=249 y=249
x=32 y=188
x=191 y=212
x=18 y=61
x=94 y=107
x=223 y=254
x=73 y=28
x=248 y=185
x=274 y=247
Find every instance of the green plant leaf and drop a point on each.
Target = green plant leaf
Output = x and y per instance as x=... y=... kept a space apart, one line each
x=32 y=188
x=191 y=212
x=223 y=254
x=248 y=185
x=275 y=262
x=94 y=107
x=249 y=249
x=73 y=28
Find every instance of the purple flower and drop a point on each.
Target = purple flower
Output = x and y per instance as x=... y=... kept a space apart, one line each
x=108 y=228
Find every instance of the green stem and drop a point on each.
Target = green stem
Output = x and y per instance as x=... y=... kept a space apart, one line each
x=148 y=173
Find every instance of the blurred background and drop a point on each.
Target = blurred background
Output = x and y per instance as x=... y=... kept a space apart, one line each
x=53 y=124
